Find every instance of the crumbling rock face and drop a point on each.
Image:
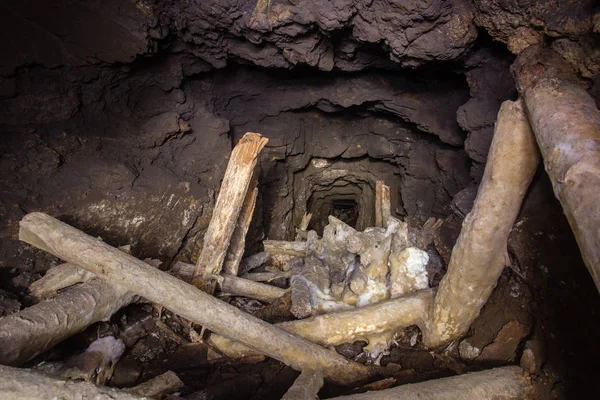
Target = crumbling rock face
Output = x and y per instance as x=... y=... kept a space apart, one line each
x=522 y=23
x=325 y=34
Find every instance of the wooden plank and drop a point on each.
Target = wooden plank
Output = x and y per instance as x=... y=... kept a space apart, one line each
x=227 y=210
x=379 y=204
x=566 y=123
x=238 y=239
x=479 y=255
x=183 y=299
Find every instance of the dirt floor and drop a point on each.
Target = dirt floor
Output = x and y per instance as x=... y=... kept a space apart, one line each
x=534 y=317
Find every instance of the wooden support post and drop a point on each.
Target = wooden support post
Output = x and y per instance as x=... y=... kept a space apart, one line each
x=347 y=326
x=27 y=333
x=283 y=247
x=566 y=123
x=57 y=278
x=301 y=230
x=506 y=383
x=306 y=386
x=386 y=206
x=480 y=254
x=60 y=277
x=24 y=384
x=227 y=210
x=74 y=246
x=234 y=285
x=378 y=204
x=158 y=386
x=238 y=240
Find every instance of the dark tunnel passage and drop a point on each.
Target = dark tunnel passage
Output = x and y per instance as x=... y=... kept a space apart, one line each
x=121 y=118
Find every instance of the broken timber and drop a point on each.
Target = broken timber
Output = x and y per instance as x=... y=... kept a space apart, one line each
x=566 y=123
x=306 y=386
x=227 y=209
x=24 y=384
x=347 y=326
x=506 y=383
x=238 y=239
x=480 y=254
x=74 y=246
x=27 y=333
x=233 y=285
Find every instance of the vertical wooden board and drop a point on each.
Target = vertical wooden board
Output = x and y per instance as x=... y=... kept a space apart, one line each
x=386 y=205
x=378 y=204
x=238 y=239
x=227 y=209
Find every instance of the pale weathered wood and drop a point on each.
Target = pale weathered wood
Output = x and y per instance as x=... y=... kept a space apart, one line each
x=57 y=278
x=480 y=254
x=283 y=247
x=347 y=326
x=238 y=239
x=74 y=246
x=301 y=230
x=267 y=276
x=379 y=204
x=306 y=386
x=24 y=384
x=386 y=205
x=566 y=123
x=62 y=276
x=247 y=288
x=506 y=383
x=227 y=209
x=27 y=333
x=158 y=386
x=233 y=285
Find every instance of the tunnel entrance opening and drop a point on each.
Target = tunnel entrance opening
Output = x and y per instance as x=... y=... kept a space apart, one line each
x=345 y=210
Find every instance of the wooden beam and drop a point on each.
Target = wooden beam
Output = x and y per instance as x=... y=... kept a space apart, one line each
x=506 y=383
x=238 y=240
x=24 y=384
x=227 y=210
x=566 y=123
x=379 y=204
x=480 y=254
x=386 y=206
x=74 y=246
x=306 y=386
x=36 y=329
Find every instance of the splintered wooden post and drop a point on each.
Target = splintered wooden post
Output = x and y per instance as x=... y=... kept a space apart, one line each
x=301 y=230
x=227 y=210
x=480 y=254
x=183 y=299
x=379 y=204
x=306 y=386
x=25 y=384
x=238 y=240
x=27 y=333
x=566 y=123
x=386 y=205
x=506 y=383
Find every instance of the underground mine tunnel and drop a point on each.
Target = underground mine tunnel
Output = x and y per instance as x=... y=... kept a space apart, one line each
x=299 y=199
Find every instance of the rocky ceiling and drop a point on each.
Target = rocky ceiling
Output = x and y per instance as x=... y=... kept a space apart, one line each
x=119 y=115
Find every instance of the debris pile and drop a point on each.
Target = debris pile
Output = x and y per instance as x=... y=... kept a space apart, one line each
x=346 y=286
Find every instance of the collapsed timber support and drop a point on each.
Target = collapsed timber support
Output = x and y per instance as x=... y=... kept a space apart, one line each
x=74 y=246
x=507 y=383
x=566 y=123
x=480 y=253
x=27 y=333
x=23 y=384
x=231 y=201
